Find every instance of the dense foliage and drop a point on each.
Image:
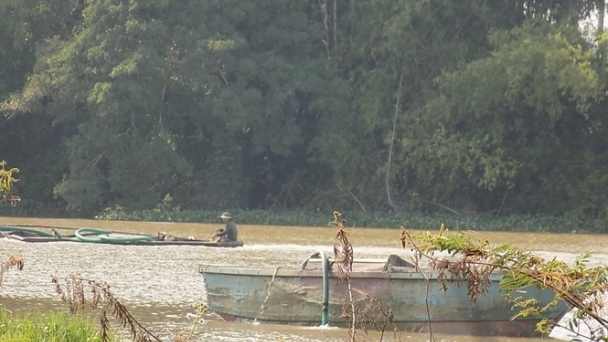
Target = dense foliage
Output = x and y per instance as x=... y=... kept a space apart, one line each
x=488 y=107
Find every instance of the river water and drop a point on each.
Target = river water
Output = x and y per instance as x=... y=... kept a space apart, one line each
x=161 y=287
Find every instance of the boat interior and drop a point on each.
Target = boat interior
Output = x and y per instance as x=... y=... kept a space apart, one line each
x=393 y=263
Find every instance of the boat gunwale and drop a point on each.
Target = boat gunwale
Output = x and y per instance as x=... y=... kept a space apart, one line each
x=393 y=272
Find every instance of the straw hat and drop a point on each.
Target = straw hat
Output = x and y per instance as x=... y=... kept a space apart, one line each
x=226 y=215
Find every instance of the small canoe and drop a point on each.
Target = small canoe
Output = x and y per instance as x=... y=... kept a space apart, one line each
x=102 y=236
x=311 y=294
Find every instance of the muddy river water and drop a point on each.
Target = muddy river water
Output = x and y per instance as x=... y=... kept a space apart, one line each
x=161 y=287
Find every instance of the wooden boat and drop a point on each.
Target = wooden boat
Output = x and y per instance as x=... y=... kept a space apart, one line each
x=95 y=235
x=297 y=296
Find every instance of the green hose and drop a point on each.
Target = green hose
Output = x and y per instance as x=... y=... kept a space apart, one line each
x=125 y=239
x=100 y=237
x=80 y=237
x=103 y=237
x=26 y=230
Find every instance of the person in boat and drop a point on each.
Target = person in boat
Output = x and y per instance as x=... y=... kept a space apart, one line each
x=229 y=233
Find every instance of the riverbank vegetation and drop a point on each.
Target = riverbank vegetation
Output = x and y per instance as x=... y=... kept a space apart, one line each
x=49 y=327
x=74 y=325
x=412 y=220
x=485 y=107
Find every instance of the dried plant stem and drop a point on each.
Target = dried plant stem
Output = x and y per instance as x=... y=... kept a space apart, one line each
x=99 y=295
x=428 y=308
x=353 y=314
x=390 y=152
x=10 y=263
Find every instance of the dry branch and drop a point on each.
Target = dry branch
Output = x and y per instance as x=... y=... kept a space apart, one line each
x=72 y=291
x=10 y=263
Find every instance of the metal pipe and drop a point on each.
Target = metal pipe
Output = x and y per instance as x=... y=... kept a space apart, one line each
x=325 y=309
x=324 y=319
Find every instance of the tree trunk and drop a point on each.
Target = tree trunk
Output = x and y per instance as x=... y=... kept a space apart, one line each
x=390 y=152
x=601 y=14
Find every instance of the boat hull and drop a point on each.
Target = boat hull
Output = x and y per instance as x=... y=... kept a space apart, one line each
x=34 y=234
x=288 y=296
x=517 y=328
x=206 y=243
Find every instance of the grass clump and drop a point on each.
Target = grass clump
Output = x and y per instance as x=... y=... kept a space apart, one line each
x=50 y=327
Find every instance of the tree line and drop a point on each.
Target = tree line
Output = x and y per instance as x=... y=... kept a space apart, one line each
x=481 y=106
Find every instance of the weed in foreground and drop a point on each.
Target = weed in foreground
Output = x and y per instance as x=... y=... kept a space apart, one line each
x=581 y=285
x=50 y=327
x=98 y=295
x=357 y=317
x=10 y=263
x=79 y=293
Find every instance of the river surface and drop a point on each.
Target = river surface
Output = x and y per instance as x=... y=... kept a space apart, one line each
x=161 y=286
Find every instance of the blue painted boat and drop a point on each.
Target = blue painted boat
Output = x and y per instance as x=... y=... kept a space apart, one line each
x=297 y=296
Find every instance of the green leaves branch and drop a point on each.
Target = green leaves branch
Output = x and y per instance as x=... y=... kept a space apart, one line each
x=580 y=285
x=6 y=182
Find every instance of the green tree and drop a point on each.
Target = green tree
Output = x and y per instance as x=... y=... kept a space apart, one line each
x=484 y=106
x=391 y=52
x=187 y=97
x=518 y=120
x=29 y=140
x=450 y=101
